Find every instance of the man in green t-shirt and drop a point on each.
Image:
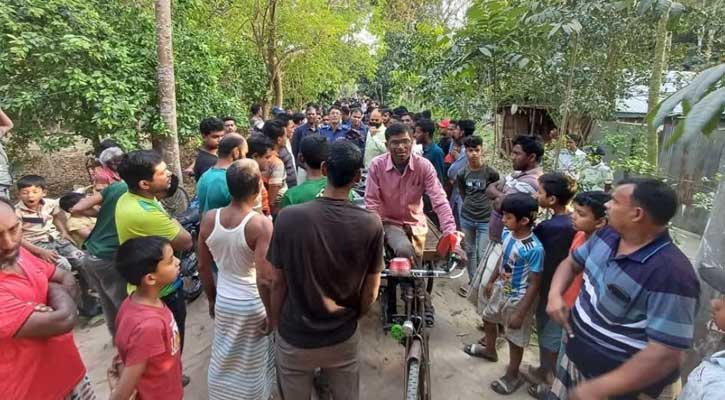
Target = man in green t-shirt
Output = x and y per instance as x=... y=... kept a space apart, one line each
x=139 y=214
x=212 y=189
x=313 y=151
x=101 y=248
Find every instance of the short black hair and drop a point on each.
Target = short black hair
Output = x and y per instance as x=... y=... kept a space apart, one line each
x=530 y=145
x=334 y=107
x=225 y=119
x=395 y=129
x=297 y=118
x=210 y=125
x=137 y=166
x=311 y=107
x=68 y=200
x=467 y=126
x=283 y=119
x=314 y=150
x=426 y=126
x=595 y=200
x=139 y=257
x=657 y=198
x=345 y=110
x=521 y=205
x=274 y=129
x=356 y=110
x=258 y=144
x=558 y=185
x=472 y=141
x=255 y=108
x=343 y=163
x=228 y=144
x=426 y=114
x=400 y=110
x=31 y=180
x=243 y=179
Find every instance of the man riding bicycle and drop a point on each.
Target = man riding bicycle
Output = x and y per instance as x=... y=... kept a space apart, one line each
x=394 y=190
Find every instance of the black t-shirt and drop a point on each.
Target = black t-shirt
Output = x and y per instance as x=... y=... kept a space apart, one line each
x=473 y=184
x=556 y=235
x=325 y=248
x=204 y=161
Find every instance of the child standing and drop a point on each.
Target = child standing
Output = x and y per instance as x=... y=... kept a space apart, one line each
x=472 y=182
x=589 y=215
x=44 y=225
x=147 y=338
x=554 y=194
x=512 y=290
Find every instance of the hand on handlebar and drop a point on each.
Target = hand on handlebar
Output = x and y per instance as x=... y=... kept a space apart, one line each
x=458 y=250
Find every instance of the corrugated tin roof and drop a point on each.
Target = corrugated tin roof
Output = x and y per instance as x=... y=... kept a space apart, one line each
x=636 y=100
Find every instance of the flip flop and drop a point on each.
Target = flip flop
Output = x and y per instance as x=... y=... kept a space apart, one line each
x=506 y=386
x=463 y=291
x=476 y=350
x=538 y=390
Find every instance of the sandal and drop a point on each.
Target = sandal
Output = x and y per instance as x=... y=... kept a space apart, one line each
x=538 y=390
x=476 y=350
x=505 y=385
x=463 y=291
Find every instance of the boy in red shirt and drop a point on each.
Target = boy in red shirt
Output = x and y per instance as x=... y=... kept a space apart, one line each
x=147 y=337
x=589 y=215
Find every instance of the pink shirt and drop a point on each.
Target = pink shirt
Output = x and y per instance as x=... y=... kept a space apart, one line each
x=398 y=199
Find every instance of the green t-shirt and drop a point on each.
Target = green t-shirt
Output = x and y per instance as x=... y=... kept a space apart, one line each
x=308 y=190
x=103 y=240
x=138 y=216
x=212 y=190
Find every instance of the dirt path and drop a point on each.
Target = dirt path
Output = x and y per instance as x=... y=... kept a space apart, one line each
x=456 y=376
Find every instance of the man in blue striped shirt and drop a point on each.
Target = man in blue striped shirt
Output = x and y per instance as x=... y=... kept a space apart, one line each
x=634 y=317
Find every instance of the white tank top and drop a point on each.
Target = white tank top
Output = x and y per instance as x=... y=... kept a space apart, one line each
x=237 y=274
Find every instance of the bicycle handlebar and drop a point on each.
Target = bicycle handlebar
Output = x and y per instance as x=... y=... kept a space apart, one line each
x=446 y=272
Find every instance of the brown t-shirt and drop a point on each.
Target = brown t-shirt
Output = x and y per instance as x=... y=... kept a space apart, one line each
x=326 y=248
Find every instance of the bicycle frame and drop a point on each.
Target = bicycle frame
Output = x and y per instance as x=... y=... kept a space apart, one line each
x=417 y=360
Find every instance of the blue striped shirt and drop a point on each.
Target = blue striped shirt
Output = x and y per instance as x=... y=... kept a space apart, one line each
x=520 y=257
x=628 y=300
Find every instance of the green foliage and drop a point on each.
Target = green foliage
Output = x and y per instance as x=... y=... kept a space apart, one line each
x=87 y=68
x=626 y=146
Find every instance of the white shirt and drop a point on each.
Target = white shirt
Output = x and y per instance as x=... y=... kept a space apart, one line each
x=572 y=162
x=374 y=145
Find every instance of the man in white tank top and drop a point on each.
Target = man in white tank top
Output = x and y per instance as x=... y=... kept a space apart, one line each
x=236 y=238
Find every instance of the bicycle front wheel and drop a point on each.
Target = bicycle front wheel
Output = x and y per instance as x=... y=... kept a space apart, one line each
x=412 y=389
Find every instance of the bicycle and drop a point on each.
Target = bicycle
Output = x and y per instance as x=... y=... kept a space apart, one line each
x=412 y=332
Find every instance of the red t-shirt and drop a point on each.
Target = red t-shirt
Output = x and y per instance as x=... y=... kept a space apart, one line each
x=573 y=291
x=37 y=368
x=150 y=333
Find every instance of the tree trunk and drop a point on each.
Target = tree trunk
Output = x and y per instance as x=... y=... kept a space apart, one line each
x=655 y=85
x=567 y=101
x=711 y=254
x=168 y=144
x=278 y=89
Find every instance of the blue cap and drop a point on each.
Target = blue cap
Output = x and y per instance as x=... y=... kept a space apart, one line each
x=276 y=110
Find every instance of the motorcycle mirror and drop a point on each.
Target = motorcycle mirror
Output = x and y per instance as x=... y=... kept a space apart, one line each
x=447 y=244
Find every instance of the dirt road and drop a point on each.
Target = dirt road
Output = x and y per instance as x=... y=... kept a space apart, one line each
x=456 y=376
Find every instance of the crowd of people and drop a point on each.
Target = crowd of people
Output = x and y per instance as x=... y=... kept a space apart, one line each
x=290 y=258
